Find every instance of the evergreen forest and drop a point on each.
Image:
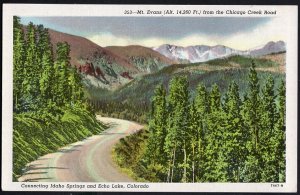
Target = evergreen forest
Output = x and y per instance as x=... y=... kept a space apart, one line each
x=210 y=137
x=49 y=108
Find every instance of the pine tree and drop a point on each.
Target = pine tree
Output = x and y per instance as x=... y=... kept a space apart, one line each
x=75 y=87
x=155 y=155
x=177 y=127
x=251 y=118
x=40 y=43
x=61 y=73
x=19 y=55
x=215 y=164
x=47 y=65
x=234 y=147
x=215 y=99
x=194 y=137
x=199 y=111
x=278 y=139
x=254 y=106
x=31 y=70
x=268 y=112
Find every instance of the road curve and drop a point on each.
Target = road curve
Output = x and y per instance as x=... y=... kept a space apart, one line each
x=84 y=161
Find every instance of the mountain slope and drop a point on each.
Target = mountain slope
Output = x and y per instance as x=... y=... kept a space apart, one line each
x=220 y=71
x=83 y=49
x=145 y=59
x=99 y=66
x=114 y=66
x=109 y=67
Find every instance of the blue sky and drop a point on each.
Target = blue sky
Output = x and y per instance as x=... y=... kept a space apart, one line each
x=237 y=32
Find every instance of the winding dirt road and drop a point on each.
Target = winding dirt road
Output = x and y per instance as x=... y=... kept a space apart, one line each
x=84 y=161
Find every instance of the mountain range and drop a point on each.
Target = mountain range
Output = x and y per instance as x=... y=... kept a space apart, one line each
x=114 y=66
x=203 y=53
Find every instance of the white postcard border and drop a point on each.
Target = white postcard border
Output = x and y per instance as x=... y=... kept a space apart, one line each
x=289 y=12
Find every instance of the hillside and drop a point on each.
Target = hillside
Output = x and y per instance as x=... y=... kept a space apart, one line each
x=49 y=111
x=83 y=49
x=99 y=66
x=279 y=58
x=144 y=59
x=137 y=50
x=115 y=66
x=220 y=71
x=109 y=67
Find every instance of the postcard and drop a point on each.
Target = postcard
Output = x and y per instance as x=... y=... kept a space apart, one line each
x=149 y=98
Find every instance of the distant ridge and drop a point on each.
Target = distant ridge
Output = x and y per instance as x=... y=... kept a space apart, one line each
x=202 y=53
x=270 y=47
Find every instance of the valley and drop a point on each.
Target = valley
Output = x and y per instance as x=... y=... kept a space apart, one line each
x=125 y=76
x=139 y=91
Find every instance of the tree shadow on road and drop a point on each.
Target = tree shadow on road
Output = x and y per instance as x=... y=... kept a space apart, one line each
x=67 y=150
x=106 y=133
x=37 y=179
x=43 y=158
x=34 y=173
x=39 y=168
x=111 y=124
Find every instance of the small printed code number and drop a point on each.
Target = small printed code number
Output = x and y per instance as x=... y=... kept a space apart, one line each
x=276 y=185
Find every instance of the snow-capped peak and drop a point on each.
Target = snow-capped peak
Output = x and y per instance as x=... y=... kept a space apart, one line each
x=202 y=53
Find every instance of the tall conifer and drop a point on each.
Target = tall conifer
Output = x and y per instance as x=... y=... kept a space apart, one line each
x=61 y=72
x=31 y=70
x=215 y=163
x=19 y=55
x=155 y=154
x=251 y=119
x=201 y=106
x=234 y=144
x=47 y=66
x=268 y=113
x=175 y=147
x=278 y=139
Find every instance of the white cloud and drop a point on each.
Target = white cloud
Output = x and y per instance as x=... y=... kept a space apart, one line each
x=271 y=31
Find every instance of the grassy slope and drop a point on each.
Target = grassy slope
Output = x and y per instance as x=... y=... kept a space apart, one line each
x=128 y=152
x=38 y=134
